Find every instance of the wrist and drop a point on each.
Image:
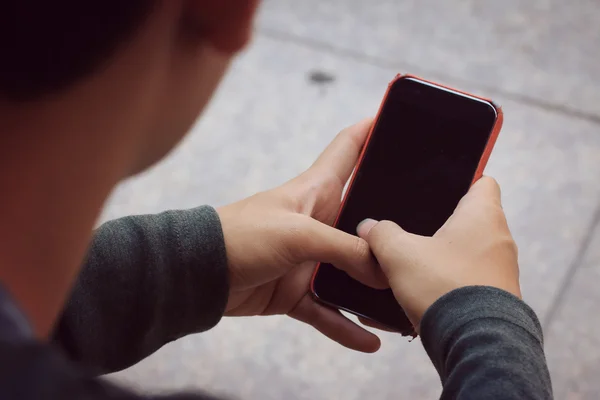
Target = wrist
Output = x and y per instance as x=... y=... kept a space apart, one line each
x=235 y=297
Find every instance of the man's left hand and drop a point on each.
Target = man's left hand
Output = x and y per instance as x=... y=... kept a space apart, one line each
x=274 y=239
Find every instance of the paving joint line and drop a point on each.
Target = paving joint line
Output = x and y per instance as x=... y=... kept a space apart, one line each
x=386 y=63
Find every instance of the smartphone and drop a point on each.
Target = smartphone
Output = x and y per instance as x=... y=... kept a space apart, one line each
x=427 y=146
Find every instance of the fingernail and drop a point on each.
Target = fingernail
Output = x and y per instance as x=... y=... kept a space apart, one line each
x=364 y=227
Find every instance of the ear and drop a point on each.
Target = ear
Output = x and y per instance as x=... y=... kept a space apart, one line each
x=226 y=24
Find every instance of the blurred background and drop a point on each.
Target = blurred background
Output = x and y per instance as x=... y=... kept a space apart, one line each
x=316 y=66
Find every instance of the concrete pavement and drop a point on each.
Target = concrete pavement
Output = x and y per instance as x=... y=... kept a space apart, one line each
x=539 y=58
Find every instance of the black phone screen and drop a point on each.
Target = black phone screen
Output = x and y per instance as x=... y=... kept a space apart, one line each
x=420 y=161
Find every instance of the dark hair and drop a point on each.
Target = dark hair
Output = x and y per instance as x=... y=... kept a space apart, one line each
x=48 y=45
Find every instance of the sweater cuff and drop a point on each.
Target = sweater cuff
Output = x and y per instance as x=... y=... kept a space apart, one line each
x=201 y=251
x=443 y=320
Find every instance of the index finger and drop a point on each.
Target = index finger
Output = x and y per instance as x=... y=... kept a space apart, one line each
x=341 y=155
x=316 y=241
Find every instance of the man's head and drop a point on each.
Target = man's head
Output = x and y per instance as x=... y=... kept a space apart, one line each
x=92 y=91
x=158 y=60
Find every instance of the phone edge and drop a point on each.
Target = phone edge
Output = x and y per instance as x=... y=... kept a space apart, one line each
x=345 y=198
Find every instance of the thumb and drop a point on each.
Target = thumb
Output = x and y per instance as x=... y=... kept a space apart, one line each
x=484 y=192
x=399 y=258
x=389 y=244
x=479 y=211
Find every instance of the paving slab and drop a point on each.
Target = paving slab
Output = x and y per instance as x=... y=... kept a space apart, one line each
x=545 y=51
x=268 y=123
x=573 y=336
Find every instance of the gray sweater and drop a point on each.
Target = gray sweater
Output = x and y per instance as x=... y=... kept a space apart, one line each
x=149 y=280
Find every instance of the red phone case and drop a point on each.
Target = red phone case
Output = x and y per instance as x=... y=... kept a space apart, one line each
x=478 y=173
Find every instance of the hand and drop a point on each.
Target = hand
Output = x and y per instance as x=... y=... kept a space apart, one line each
x=273 y=240
x=474 y=247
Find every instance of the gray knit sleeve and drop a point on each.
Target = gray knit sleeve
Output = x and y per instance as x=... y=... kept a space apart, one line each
x=148 y=280
x=486 y=344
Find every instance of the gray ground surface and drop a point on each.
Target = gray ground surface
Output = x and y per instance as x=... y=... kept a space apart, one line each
x=539 y=58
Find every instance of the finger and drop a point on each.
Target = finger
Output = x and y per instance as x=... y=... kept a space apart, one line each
x=376 y=325
x=341 y=155
x=335 y=326
x=322 y=243
x=388 y=242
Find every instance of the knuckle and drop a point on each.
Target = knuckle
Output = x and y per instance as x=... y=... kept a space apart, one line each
x=361 y=249
x=317 y=190
x=330 y=184
x=506 y=245
x=489 y=214
x=514 y=248
x=293 y=240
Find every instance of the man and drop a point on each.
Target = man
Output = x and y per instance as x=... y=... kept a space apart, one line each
x=93 y=92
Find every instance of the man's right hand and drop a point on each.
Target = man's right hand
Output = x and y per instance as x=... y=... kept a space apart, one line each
x=474 y=247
